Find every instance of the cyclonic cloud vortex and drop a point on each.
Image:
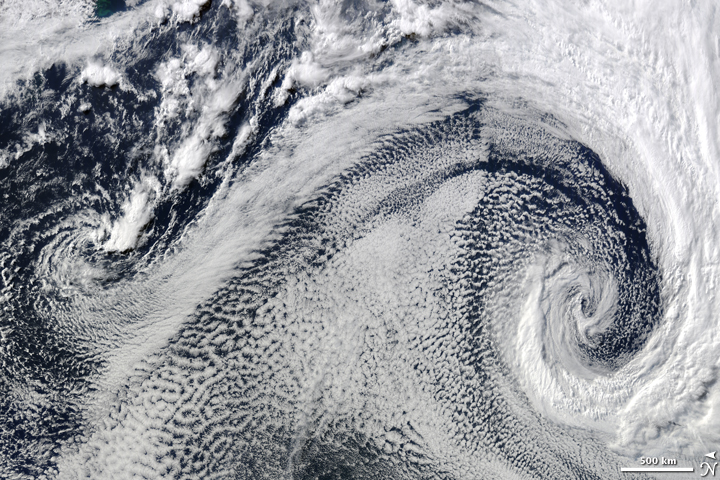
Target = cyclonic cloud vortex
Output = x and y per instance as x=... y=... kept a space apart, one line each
x=357 y=239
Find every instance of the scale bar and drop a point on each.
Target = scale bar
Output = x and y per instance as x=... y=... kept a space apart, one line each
x=657 y=469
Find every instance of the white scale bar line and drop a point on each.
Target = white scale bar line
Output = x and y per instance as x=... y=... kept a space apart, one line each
x=657 y=469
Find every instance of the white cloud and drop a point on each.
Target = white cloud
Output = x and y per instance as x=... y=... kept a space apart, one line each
x=99 y=75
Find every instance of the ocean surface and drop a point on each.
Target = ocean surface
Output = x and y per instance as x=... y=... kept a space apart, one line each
x=359 y=239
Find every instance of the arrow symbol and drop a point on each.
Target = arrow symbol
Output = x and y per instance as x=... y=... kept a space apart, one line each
x=711 y=455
